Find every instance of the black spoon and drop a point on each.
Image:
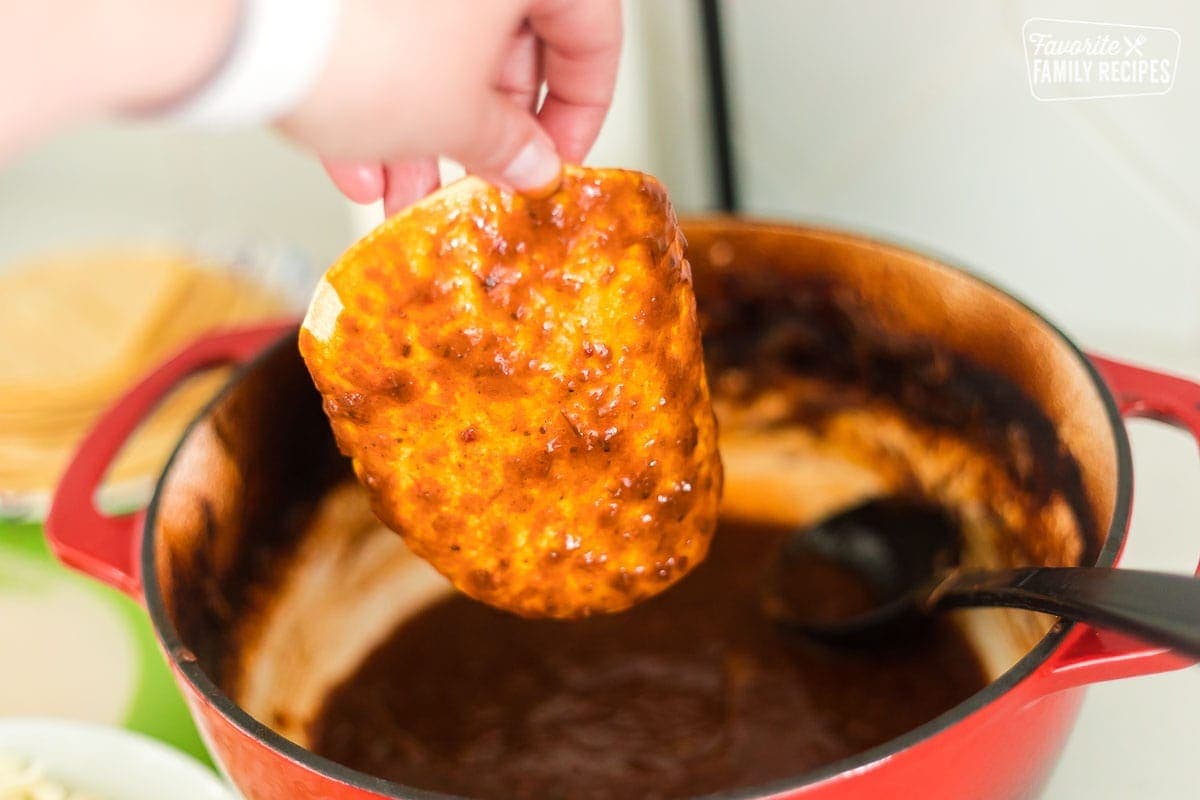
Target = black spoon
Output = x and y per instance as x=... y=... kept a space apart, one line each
x=873 y=571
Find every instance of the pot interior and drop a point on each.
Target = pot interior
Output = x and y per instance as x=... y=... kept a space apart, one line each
x=841 y=369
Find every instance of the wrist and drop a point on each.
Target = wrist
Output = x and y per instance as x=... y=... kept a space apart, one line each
x=277 y=53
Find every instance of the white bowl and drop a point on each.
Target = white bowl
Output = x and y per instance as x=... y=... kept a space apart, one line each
x=113 y=763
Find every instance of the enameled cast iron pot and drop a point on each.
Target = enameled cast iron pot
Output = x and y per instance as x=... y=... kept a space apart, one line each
x=262 y=452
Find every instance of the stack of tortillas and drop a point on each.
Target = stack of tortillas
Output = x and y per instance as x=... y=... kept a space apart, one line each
x=78 y=331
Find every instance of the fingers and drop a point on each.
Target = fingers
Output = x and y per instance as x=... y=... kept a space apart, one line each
x=582 y=42
x=360 y=181
x=406 y=182
x=521 y=71
x=509 y=148
x=398 y=183
x=576 y=45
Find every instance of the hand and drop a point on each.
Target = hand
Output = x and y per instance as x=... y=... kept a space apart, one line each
x=409 y=80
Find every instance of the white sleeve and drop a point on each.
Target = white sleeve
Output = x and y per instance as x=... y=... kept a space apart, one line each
x=277 y=52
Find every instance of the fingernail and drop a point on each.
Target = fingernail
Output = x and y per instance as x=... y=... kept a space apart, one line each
x=535 y=170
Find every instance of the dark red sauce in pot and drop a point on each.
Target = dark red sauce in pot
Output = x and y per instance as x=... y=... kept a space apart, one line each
x=692 y=692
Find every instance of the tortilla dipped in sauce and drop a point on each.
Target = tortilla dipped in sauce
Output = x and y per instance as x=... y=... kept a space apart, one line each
x=519 y=384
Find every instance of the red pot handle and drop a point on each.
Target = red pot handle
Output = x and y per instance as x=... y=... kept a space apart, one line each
x=1098 y=655
x=80 y=535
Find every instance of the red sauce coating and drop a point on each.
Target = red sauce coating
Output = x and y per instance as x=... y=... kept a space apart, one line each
x=521 y=388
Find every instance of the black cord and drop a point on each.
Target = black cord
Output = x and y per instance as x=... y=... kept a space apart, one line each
x=718 y=96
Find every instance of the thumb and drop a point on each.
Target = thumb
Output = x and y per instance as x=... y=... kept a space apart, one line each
x=508 y=147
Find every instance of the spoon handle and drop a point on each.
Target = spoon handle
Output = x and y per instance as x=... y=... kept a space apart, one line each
x=1157 y=607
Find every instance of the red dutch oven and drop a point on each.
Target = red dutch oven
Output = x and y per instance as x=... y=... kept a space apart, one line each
x=261 y=452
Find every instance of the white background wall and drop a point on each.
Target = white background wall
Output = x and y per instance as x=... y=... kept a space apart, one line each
x=916 y=120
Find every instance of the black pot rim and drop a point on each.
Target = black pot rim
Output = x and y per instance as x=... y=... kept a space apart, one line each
x=1025 y=666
